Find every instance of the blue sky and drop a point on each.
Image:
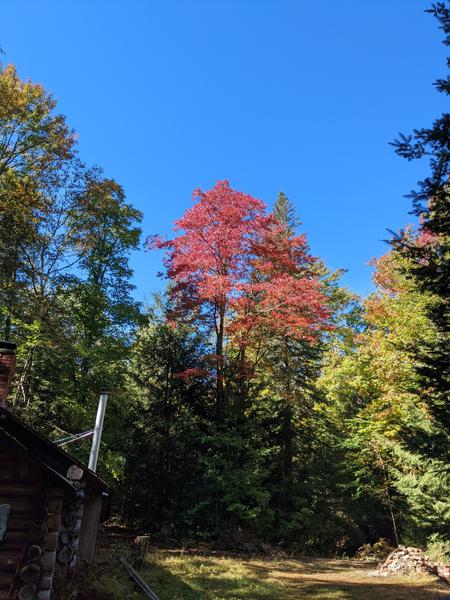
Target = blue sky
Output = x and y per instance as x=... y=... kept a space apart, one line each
x=295 y=95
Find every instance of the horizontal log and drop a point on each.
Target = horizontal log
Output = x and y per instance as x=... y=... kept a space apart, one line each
x=35 y=534
x=17 y=472
x=9 y=561
x=54 y=504
x=6 y=579
x=19 y=520
x=11 y=547
x=15 y=537
x=18 y=505
x=55 y=492
x=6 y=459
x=23 y=512
x=19 y=488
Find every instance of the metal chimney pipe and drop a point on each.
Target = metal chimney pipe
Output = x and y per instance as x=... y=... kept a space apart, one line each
x=95 y=448
x=7 y=363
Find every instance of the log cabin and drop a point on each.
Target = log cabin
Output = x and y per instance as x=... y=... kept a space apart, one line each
x=50 y=504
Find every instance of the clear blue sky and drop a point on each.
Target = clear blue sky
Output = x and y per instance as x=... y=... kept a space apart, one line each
x=294 y=95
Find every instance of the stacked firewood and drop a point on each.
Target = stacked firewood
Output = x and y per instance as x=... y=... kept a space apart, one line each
x=404 y=560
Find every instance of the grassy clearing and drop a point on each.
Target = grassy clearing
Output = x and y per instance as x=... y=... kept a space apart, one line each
x=177 y=576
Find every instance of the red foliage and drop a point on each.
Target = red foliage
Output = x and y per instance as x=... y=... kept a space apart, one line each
x=188 y=374
x=238 y=270
x=210 y=257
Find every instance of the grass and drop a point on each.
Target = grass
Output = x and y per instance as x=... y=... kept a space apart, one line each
x=177 y=576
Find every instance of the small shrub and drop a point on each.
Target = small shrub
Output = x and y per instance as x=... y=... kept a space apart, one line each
x=377 y=551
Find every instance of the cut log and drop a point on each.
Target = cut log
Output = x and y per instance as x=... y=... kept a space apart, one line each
x=75 y=473
x=75 y=506
x=65 y=555
x=30 y=573
x=66 y=537
x=27 y=592
x=34 y=552
x=79 y=485
x=69 y=520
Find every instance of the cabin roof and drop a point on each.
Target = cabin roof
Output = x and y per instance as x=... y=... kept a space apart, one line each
x=50 y=456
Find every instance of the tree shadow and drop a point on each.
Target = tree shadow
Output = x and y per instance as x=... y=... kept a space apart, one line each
x=259 y=584
x=344 y=590
x=309 y=565
x=215 y=582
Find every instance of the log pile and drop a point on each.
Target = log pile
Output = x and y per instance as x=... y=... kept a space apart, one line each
x=405 y=560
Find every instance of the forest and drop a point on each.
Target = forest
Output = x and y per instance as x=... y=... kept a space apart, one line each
x=256 y=400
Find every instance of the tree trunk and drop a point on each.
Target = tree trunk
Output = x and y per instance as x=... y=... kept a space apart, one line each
x=220 y=391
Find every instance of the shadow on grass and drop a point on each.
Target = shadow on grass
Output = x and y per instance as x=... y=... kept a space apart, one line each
x=345 y=590
x=305 y=566
x=207 y=580
x=216 y=583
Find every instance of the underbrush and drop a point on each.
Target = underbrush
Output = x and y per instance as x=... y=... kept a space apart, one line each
x=438 y=549
x=101 y=581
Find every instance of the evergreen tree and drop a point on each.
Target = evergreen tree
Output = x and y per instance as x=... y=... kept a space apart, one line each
x=429 y=262
x=165 y=411
x=284 y=212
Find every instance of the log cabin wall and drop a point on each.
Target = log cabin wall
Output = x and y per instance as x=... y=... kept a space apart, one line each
x=71 y=518
x=52 y=503
x=29 y=544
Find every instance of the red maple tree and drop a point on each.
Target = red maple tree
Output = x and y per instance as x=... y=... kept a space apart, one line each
x=239 y=273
